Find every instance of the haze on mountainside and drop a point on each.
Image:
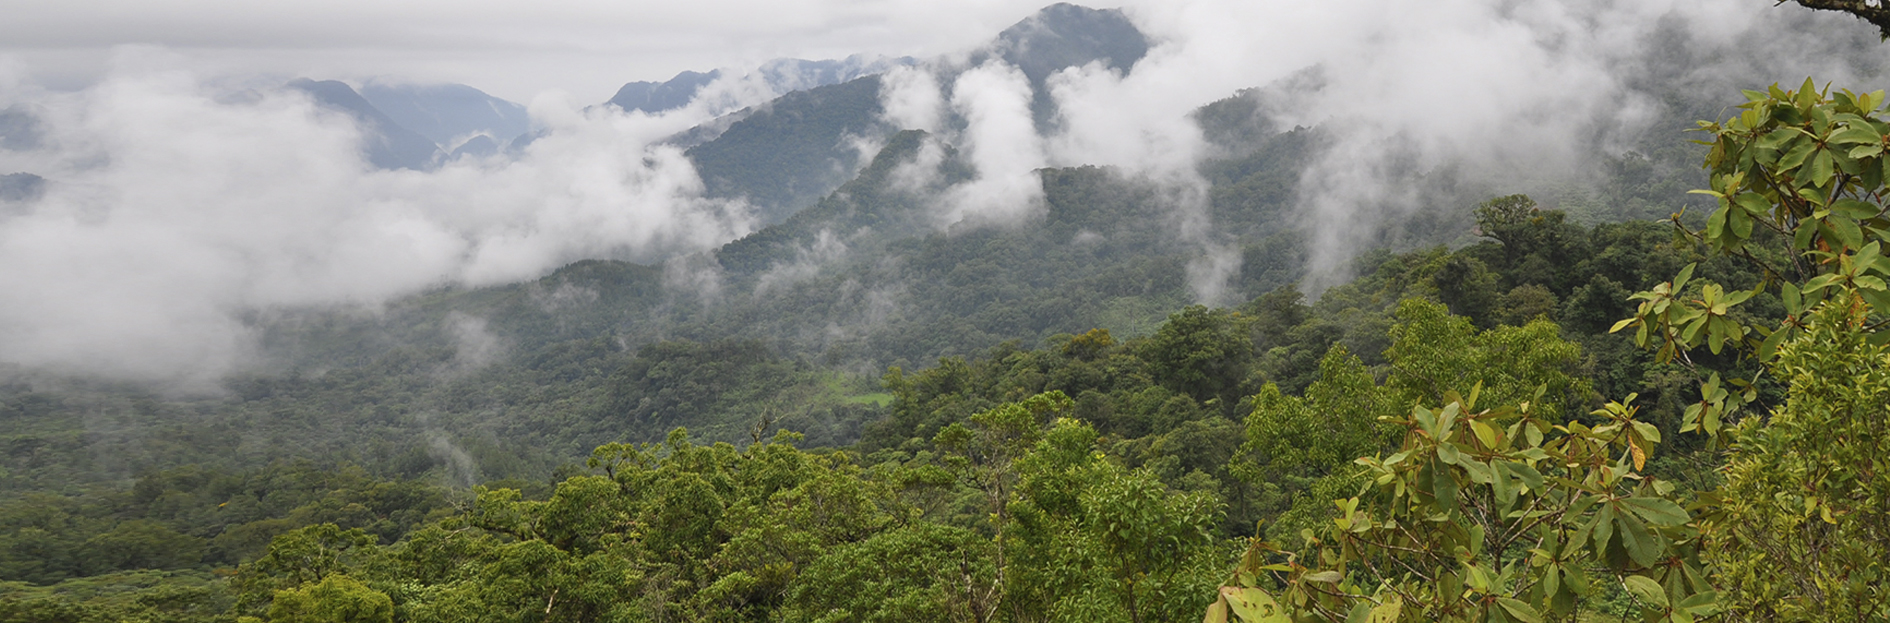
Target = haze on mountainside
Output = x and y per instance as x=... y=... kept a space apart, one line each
x=158 y=225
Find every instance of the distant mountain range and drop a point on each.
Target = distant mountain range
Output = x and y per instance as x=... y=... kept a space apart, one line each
x=448 y=114
x=781 y=156
x=786 y=155
x=783 y=76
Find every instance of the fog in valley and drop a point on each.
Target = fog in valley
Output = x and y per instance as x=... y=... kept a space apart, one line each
x=169 y=201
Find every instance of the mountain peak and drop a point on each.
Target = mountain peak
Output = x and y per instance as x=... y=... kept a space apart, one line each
x=1066 y=35
x=385 y=142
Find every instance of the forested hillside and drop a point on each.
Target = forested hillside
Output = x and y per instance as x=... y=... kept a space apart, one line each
x=1215 y=421
x=1646 y=389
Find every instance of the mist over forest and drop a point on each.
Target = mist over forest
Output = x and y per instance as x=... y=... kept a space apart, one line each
x=1086 y=321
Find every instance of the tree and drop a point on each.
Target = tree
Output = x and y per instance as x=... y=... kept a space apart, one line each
x=1799 y=528
x=983 y=456
x=1488 y=515
x=337 y=599
x=1203 y=353
x=1802 y=528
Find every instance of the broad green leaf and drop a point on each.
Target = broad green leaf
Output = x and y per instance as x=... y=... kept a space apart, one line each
x=1647 y=431
x=1754 y=204
x=1741 y=223
x=1447 y=452
x=1854 y=208
x=1659 y=511
x=1217 y=612
x=1646 y=590
x=1527 y=474
x=1520 y=610
x=1603 y=527
x=1801 y=237
x=1500 y=487
x=1479 y=473
x=1847 y=231
x=1703 y=603
x=1485 y=433
x=1770 y=346
x=1777 y=139
x=1797 y=155
x=1641 y=544
x=1443 y=486
x=1854 y=135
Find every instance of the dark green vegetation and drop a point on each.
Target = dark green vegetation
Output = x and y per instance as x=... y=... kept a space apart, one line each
x=1089 y=478
x=1029 y=422
x=791 y=153
x=1518 y=512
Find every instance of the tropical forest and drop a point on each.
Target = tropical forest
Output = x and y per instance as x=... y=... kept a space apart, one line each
x=964 y=339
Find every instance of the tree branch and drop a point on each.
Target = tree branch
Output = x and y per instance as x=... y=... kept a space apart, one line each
x=1872 y=11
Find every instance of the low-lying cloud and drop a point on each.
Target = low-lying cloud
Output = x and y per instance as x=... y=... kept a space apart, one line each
x=1498 y=95
x=174 y=207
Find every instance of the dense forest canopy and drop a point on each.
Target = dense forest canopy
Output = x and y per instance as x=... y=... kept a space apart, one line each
x=1612 y=398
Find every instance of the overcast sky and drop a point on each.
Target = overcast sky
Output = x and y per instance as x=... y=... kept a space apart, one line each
x=511 y=49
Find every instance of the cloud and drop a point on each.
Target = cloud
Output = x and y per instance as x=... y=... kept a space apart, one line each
x=1422 y=105
x=1000 y=144
x=1508 y=95
x=513 y=50
x=172 y=209
x=912 y=100
x=181 y=197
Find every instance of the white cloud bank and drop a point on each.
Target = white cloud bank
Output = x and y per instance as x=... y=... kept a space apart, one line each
x=174 y=208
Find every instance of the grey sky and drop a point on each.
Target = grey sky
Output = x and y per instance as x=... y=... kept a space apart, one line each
x=511 y=49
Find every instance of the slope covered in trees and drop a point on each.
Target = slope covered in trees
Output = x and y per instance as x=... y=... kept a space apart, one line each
x=1087 y=478
x=1028 y=422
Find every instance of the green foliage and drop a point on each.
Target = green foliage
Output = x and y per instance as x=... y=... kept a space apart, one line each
x=1311 y=436
x=1202 y=353
x=1492 y=515
x=336 y=599
x=921 y=572
x=1799 y=177
x=1432 y=352
x=1801 y=528
x=784 y=156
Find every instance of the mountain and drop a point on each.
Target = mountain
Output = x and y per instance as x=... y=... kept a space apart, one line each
x=1065 y=35
x=655 y=97
x=787 y=154
x=784 y=75
x=19 y=129
x=386 y=143
x=448 y=114
x=479 y=146
x=21 y=187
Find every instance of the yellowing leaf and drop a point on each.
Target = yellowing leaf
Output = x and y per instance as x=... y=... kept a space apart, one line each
x=1324 y=577
x=1252 y=605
